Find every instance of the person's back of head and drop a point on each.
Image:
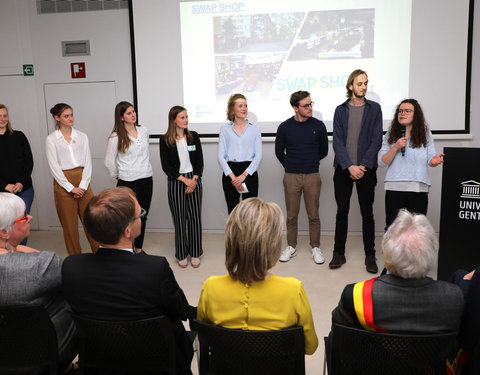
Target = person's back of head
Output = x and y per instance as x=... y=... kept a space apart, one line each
x=410 y=246
x=109 y=213
x=253 y=239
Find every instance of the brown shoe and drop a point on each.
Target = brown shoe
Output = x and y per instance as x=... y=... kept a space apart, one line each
x=195 y=262
x=337 y=260
x=371 y=264
x=183 y=263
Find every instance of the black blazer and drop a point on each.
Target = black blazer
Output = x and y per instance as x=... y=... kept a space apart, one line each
x=171 y=162
x=117 y=285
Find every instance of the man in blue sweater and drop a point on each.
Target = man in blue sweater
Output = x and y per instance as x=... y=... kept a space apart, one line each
x=300 y=144
x=357 y=138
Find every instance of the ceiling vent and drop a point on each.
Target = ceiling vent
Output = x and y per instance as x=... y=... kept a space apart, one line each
x=76 y=48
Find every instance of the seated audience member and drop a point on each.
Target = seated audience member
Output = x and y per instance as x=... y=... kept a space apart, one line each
x=469 y=337
x=116 y=284
x=249 y=297
x=404 y=300
x=32 y=277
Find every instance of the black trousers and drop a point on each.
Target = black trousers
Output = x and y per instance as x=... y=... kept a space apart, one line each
x=343 y=186
x=143 y=188
x=232 y=196
x=396 y=200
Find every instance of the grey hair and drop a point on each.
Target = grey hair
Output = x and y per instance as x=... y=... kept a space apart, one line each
x=10 y=207
x=410 y=246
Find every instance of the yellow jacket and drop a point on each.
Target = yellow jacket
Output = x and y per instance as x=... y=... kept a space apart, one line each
x=274 y=303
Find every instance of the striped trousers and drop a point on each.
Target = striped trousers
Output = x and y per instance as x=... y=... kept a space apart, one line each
x=187 y=217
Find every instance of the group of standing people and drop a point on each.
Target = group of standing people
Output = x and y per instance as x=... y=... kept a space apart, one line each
x=301 y=142
x=407 y=150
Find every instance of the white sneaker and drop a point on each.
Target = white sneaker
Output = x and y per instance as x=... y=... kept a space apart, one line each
x=288 y=253
x=317 y=255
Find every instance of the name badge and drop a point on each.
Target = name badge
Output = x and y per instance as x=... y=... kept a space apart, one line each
x=191 y=148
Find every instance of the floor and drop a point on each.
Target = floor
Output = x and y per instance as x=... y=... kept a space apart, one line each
x=323 y=286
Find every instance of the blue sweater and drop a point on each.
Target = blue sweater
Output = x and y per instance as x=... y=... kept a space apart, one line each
x=300 y=146
x=411 y=167
x=369 y=140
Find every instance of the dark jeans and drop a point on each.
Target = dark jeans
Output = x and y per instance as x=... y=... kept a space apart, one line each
x=396 y=200
x=143 y=188
x=27 y=196
x=232 y=196
x=343 y=186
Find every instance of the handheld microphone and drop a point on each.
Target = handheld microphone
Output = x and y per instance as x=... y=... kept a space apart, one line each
x=402 y=134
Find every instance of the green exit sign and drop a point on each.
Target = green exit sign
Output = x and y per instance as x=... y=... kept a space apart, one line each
x=28 y=70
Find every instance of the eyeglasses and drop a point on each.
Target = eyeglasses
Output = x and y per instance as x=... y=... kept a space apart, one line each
x=306 y=106
x=407 y=111
x=143 y=213
x=24 y=218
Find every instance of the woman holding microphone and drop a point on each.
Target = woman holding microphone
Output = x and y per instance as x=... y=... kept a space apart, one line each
x=68 y=155
x=407 y=151
x=182 y=161
x=239 y=153
x=128 y=159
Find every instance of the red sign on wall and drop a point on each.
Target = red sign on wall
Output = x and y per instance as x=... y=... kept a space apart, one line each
x=78 y=70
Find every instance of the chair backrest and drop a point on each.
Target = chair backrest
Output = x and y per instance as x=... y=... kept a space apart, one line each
x=141 y=345
x=232 y=351
x=28 y=341
x=357 y=351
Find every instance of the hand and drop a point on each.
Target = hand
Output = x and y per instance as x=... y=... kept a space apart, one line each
x=356 y=171
x=400 y=143
x=78 y=192
x=18 y=187
x=436 y=160
x=10 y=188
x=191 y=185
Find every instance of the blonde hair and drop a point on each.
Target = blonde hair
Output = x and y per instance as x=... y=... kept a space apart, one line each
x=253 y=239
x=231 y=104
x=9 y=125
x=171 y=134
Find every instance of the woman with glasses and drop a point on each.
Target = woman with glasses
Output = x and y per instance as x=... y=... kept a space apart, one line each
x=17 y=162
x=239 y=153
x=128 y=159
x=68 y=155
x=407 y=151
x=32 y=277
x=182 y=161
x=250 y=296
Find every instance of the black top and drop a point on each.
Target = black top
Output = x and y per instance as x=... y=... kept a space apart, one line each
x=171 y=161
x=16 y=160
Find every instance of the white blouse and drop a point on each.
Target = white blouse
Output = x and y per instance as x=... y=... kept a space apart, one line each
x=183 y=156
x=134 y=163
x=62 y=155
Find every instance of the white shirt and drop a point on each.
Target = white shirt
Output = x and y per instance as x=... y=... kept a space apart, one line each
x=134 y=163
x=183 y=156
x=62 y=155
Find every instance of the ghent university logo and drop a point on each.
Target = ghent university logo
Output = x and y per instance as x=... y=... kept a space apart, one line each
x=469 y=207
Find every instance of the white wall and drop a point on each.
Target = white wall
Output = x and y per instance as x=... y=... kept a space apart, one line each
x=36 y=39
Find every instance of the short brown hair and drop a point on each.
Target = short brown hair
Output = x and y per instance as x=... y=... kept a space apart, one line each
x=297 y=96
x=351 y=78
x=108 y=214
x=231 y=104
x=253 y=239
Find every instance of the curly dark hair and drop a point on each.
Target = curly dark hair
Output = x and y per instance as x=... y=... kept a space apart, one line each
x=418 y=135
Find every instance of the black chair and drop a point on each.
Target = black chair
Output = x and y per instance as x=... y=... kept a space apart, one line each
x=226 y=351
x=28 y=342
x=140 y=345
x=357 y=351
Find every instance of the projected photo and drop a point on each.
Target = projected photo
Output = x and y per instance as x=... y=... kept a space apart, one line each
x=338 y=34
x=255 y=32
x=246 y=73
